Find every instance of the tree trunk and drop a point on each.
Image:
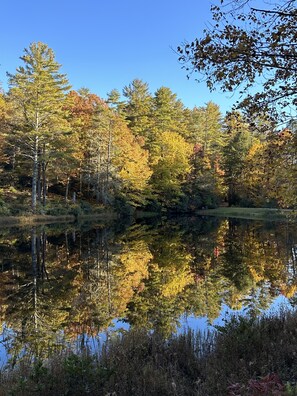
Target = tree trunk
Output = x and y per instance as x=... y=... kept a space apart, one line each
x=44 y=184
x=98 y=182
x=67 y=189
x=35 y=274
x=35 y=175
x=39 y=186
x=106 y=198
x=80 y=179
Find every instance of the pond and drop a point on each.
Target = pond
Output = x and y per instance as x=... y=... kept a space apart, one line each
x=63 y=285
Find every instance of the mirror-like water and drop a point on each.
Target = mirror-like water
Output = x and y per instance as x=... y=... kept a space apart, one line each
x=60 y=285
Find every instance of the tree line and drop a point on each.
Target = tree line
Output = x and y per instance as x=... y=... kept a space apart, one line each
x=135 y=148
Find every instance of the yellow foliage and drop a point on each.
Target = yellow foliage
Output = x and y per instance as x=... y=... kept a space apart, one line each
x=257 y=277
x=289 y=290
x=131 y=159
x=178 y=279
x=175 y=151
x=132 y=270
x=171 y=164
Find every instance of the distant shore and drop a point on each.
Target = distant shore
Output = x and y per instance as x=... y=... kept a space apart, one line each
x=250 y=213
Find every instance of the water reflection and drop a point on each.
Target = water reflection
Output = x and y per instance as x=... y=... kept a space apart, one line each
x=59 y=284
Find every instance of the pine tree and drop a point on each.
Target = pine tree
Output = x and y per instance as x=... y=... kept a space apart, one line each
x=168 y=112
x=37 y=91
x=138 y=107
x=4 y=116
x=239 y=142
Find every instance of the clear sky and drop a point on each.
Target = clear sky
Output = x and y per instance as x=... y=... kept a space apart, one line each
x=106 y=44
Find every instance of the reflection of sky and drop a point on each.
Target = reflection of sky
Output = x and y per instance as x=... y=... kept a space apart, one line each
x=186 y=322
x=6 y=336
x=202 y=324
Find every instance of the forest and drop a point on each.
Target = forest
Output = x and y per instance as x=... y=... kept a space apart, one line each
x=113 y=305
x=65 y=150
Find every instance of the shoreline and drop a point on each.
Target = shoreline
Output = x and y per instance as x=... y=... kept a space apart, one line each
x=270 y=214
x=30 y=220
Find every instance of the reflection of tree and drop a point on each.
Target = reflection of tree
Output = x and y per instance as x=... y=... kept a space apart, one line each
x=256 y=262
x=35 y=308
x=91 y=306
x=242 y=264
x=163 y=298
x=233 y=260
x=56 y=285
x=131 y=272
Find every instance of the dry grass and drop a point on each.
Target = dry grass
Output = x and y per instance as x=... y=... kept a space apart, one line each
x=246 y=357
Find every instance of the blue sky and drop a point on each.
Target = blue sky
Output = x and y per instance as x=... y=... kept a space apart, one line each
x=106 y=44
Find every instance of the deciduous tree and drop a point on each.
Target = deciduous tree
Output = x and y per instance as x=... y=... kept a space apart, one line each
x=171 y=168
x=247 y=45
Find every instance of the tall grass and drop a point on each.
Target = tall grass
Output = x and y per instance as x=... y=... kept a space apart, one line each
x=245 y=357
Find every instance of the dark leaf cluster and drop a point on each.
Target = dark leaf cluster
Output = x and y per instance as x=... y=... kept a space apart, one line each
x=246 y=48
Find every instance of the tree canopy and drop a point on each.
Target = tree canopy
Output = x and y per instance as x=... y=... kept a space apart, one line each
x=252 y=49
x=136 y=150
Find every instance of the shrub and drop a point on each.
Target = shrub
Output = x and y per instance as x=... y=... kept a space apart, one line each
x=245 y=357
x=4 y=208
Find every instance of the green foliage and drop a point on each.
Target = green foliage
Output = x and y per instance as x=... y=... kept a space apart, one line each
x=57 y=210
x=290 y=389
x=235 y=150
x=137 y=109
x=4 y=208
x=37 y=92
x=205 y=127
x=62 y=209
x=147 y=151
x=123 y=206
x=79 y=373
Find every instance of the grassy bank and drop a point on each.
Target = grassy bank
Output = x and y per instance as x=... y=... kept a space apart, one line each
x=15 y=210
x=250 y=213
x=30 y=219
x=246 y=357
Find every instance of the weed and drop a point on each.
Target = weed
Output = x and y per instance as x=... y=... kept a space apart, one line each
x=247 y=356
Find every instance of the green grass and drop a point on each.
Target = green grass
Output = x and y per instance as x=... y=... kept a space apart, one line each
x=250 y=213
x=30 y=219
x=247 y=356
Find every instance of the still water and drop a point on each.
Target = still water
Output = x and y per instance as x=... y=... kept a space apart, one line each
x=65 y=284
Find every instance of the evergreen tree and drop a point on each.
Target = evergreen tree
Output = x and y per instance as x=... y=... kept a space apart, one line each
x=4 y=117
x=138 y=108
x=115 y=102
x=168 y=113
x=204 y=187
x=37 y=91
x=239 y=140
x=206 y=128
